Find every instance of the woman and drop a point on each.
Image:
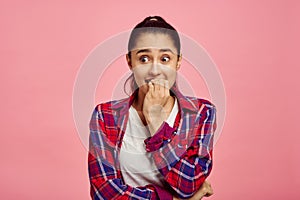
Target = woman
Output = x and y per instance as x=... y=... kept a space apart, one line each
x=156 y=144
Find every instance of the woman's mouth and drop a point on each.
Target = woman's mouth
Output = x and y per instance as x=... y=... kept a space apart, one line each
x=148 y=80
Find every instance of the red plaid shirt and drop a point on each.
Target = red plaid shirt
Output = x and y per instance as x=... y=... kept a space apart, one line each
x=182 y=154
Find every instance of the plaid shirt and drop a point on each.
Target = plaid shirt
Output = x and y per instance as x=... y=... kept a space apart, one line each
x=182 y=154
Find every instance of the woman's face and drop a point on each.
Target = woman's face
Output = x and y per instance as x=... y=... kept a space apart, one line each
x=154 y=57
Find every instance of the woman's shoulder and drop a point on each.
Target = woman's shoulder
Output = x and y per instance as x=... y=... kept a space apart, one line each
x=198 y=102
x=111 y=105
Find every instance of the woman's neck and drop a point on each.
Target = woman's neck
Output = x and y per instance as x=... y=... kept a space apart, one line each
x=139 y=100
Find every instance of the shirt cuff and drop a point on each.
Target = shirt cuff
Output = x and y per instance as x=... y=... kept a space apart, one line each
x=157 y=140
x=162 y=193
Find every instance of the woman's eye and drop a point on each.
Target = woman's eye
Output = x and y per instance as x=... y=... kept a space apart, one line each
x=144 y=59
x=165 y=59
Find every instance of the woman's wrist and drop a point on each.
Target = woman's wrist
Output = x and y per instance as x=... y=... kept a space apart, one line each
x=154 y=126
x=154 y=120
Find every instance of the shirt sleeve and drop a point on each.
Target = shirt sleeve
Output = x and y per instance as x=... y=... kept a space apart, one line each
x=105 y=178
x=186 y=160
x=157 y=140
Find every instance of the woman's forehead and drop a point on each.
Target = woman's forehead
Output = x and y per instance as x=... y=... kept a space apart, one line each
x=154 y=49
x=154 y=41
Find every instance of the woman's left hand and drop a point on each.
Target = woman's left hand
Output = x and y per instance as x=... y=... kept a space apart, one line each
x=204 y=191
x=154 y=104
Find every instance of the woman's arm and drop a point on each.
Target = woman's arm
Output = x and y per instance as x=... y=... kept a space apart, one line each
x=204 y=191
x=186 y=160
x=185 y=169
x=105 y=178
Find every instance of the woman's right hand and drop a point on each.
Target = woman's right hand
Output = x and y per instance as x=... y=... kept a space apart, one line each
x=154 y=104
x=204 y=191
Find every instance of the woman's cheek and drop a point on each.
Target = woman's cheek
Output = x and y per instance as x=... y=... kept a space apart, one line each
x=139 y=80
x=140 y=73
x=171 y=74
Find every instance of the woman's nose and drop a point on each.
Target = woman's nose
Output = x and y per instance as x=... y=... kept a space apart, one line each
x=155 y=69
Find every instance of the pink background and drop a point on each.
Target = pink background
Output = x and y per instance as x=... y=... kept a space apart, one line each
x=254 y=44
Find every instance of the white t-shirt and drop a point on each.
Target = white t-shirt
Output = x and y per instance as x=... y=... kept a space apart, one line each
x=137 y=165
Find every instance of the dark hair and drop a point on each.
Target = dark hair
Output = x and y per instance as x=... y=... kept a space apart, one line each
x=151 y=24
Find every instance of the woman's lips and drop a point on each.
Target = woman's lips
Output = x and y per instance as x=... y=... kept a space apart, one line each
x=148 y=80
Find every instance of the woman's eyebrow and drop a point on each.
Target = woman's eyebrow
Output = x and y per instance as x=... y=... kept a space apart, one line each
x=148 y=50
x=143 y=50
x=166 y=50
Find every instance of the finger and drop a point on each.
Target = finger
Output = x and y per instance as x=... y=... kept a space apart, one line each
x=151 y=88
x=208 y=194
x=159 y=87
x=200 y=196
x=162 y=87
x=200 y=193
x=209 y=191
x=155 y=88
x=166 y=88
x=204 y=190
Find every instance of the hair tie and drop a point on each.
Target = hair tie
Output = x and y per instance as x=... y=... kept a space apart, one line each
x=153 y=19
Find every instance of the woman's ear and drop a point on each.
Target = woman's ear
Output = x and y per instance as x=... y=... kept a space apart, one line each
x=179 y=62
x=128 y=61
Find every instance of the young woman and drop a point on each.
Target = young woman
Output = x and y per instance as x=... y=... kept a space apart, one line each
x=157 y=143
